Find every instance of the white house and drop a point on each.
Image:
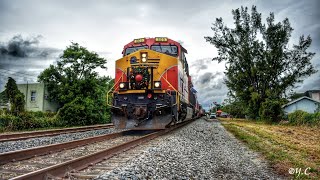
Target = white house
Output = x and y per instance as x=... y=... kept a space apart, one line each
x=304 y=103
x=36 y=97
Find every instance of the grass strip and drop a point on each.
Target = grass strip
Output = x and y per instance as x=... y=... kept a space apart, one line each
x=280 y=154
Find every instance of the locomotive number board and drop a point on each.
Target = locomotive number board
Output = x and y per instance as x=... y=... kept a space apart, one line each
x=161 y=39
x=140 y=40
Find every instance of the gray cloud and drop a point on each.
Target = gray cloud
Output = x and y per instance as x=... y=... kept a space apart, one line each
x=207 y=77
x=201 y=64
x=24 y=58
x=211 y=87
x=18 y=48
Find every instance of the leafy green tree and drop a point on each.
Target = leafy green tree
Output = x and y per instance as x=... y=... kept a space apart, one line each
x=15 y=97
x=295 y=95
x=74 y=75
x=3 y=98
x=74 y=78
x=234 y=107
x=259 y=63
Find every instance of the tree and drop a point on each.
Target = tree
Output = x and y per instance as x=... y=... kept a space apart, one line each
x=15 y=97
x=75 y=78
x=74 y=75
x=259 y=64
x=234 y=108
x=295 y=95
x=3 y=98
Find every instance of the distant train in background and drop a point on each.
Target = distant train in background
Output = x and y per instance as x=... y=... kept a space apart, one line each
x=153 y=87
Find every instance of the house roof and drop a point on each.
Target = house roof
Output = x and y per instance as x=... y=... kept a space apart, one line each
x=313 y=91
x=299 y=99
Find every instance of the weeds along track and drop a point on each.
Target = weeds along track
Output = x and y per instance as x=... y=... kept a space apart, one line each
x=53 y=132
x=85 y=161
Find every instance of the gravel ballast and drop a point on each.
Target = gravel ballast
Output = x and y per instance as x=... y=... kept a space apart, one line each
x=42 y=141
x=200 y=150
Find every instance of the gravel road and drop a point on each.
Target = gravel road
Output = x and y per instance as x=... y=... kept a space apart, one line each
x=41 y=141
x=200 y=150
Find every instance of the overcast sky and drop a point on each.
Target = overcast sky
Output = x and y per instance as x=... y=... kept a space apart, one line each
x=34 y=32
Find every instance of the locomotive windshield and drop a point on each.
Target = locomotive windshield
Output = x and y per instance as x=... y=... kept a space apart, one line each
x=134 y=49
x=166 y=49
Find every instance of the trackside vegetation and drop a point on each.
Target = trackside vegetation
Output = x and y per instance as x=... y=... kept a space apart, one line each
x=261 y=65
x=28 y=120
x=284 y=146
x=302 y=118
x=74 y=83
x=261 y=68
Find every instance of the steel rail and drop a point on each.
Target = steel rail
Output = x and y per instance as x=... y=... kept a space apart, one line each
x=53 y=132
x=32 y=152
x=61 y=170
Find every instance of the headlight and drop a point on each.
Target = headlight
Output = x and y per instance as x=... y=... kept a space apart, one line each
x=144 y=59
x=144 y=55
x=122 y=85
x=157 y=84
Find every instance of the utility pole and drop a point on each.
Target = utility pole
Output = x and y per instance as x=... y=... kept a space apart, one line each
x=26 y=104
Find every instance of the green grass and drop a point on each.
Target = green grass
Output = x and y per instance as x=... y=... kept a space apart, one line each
x=281 y=145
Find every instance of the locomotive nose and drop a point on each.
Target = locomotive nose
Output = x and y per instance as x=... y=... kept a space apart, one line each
x=138 y=77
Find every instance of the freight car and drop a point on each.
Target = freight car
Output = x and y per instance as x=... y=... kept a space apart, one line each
x=153 y=87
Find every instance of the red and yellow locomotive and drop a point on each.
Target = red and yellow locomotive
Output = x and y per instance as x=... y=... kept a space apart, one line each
x=153 y=88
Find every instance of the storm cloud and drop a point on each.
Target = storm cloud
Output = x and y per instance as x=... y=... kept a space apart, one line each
x=207 y=77
x=210 y=85
x=18 y=47
x=23 y=58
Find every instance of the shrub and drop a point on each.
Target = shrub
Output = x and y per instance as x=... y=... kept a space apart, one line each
x=271 y=110
x=303 y=118
x=27 y=120
x=82 y=111
x=40 y=114
x=6 y=121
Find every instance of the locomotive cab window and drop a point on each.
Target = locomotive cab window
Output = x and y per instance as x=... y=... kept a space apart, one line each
x=182 y=59
x=171 y=50
x=134 y=49
x=184 y=62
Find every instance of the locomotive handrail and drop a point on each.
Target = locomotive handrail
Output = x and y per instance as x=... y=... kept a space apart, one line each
x=179 y=94
x=110 y=91
x=175 y=89
x=177 y=97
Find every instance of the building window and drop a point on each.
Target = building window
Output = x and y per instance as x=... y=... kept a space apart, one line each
x=33 y=96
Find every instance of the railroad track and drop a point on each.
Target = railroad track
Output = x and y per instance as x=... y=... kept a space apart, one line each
x=53 y=132
x=111 y=163
x=21 y=162
x=64 y=164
